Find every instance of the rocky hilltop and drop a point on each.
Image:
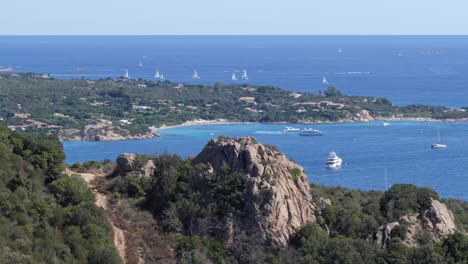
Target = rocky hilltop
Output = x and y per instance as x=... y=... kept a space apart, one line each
x=239 y=201
x=270 y=173
x=437 y=223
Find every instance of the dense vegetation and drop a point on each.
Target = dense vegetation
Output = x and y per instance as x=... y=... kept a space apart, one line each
x=74 y=103
x=46 y=217
x=178 y=199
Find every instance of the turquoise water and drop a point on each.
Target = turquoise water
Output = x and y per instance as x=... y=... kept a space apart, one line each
x=403 y=148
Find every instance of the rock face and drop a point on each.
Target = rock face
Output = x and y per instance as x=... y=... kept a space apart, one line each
x=271 y=174
x=128 y=164
x=437 y=221
x=363 y=116
x=102 y=130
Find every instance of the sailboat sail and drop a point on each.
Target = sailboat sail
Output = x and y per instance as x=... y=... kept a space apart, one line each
x=244 y=75
x=233 y=77
x=140 y=64
x=161 y=77
x=324 y=80
x=157 y=75
x=126 y=75
x=195 y=75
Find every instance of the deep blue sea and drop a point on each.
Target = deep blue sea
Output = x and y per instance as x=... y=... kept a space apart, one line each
x=405 y=69
x=367 y=149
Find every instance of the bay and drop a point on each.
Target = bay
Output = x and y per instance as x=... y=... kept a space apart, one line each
x=367 y=149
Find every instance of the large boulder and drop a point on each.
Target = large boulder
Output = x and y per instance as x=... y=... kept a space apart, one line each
x=127 y=162
x=278 y=198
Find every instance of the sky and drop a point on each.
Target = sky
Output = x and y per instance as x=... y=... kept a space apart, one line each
x=239 y=17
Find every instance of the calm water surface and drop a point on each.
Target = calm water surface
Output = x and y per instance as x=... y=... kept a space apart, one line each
x=403 y=148
x=405 y=69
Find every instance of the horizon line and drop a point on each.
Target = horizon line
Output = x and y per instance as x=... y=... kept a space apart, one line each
x=229 y=35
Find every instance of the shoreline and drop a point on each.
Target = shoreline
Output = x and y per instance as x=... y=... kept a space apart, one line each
x=202 y=122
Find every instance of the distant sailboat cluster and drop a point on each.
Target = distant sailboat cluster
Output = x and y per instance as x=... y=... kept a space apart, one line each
x=195 y=76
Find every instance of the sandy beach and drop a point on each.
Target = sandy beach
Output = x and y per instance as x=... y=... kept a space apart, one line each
x=202 y=122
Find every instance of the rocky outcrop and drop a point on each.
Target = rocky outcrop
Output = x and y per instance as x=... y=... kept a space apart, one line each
x=363 y=116
x=278 y=194
x=437 y=221
x=128 y=164
x=102 y=130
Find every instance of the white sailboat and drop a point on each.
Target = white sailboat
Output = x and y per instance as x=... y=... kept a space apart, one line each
x=244 y=75
x=161 y=77
x=195 y=75
x=126 y=75
x=140 y=64
x=324 y=80
x=233 y=77
x=157 y=75
x=438 y=144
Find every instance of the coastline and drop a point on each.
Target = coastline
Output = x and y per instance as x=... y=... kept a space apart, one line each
x=202 y=122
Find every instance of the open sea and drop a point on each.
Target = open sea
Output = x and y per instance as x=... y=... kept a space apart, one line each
x=405 y=69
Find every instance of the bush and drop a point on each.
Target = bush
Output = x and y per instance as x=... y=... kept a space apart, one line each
x=295 y=174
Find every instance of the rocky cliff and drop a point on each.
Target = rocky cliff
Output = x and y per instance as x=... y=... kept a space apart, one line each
x=278 y=194
x=102 y=130
x=437 y=222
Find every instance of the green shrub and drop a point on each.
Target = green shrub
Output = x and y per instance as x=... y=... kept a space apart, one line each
x=295 y=174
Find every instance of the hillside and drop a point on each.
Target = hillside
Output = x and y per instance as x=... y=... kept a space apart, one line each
x=240 y=201
x=45 y=216
x=118 y=109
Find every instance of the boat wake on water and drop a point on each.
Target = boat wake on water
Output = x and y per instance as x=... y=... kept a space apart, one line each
x=269 y=132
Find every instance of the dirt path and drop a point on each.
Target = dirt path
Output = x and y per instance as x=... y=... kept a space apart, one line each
x=101 y=201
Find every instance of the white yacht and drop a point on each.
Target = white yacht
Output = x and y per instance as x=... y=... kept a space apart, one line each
x=195 y=75
x=291 y=130
x=385 y=124
x=333 y=161
x=233 y=77
x=244 y=75
x=310 y=132
x=438 y=144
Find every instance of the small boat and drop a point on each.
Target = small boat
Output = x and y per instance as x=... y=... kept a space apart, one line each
x=157 y=75
x=291 y=130
x=324 y=80
x=333 y=161
x=233 y=77
x=310 y=132
x=195 y=75
x=244 y=75
x=385 y=124
x=161 y=77
x=438 y=144
x=126 y=75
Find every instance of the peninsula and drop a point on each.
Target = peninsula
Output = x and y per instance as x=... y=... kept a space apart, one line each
x=107 y=109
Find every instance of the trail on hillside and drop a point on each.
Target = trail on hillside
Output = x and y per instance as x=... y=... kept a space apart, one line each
x=101 y=201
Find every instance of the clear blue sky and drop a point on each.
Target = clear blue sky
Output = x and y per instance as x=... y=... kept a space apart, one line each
x=153 y=17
